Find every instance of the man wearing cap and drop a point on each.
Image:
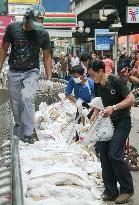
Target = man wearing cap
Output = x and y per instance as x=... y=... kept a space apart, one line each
x=26 y=38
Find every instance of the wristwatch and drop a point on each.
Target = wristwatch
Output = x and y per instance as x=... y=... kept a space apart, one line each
x=114 y=107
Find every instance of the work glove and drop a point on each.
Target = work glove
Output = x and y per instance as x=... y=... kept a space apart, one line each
x=78 y=103
x=84 y=112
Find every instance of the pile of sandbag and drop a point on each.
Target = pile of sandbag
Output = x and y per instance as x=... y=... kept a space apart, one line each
x=55 y=171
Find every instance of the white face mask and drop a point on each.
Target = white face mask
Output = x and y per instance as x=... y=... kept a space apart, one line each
x=77 y=80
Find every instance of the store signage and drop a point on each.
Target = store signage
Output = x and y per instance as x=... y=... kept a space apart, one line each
x=17 y=9
x=3 y=7
x=4 y=21
x=24 y=1
x=132 y=14
x=103 y=39
x=63 y=43
x=59 y=20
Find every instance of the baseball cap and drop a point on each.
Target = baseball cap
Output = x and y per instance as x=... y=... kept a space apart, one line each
x=35 y=14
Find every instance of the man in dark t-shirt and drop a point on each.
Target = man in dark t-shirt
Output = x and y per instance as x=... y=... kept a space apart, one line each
x=26 y=39
x=117 y=100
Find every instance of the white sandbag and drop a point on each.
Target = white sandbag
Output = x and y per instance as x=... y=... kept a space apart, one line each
x=62 y=169
x=59 y=179
x=70 y=191
x=67 y=201
x=102 y=128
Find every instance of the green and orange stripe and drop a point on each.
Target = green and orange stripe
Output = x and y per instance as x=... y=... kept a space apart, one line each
x=60 y=20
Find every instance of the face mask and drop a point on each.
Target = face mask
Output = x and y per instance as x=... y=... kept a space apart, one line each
x=77 y=80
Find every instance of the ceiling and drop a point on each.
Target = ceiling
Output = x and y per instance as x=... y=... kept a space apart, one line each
x=91 y=18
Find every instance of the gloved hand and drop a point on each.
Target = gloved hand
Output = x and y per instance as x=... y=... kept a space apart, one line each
x=78 y=103
x=49 y=85
x=84 y=112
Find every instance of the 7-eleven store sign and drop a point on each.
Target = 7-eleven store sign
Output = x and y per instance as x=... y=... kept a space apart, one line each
x=59 y=20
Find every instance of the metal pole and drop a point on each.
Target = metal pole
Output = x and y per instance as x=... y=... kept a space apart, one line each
x=102 y=51
x=116 y=53
x=128 y=45
x=17 y=188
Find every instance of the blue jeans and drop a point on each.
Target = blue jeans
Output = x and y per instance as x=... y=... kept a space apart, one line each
x=22 y=89
x=114 y=168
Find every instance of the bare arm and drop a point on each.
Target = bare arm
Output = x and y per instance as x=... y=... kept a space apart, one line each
x=95 y=114
x=47 y=59
x=3 y=53
x=71 y=98
x=134 y=79
x=127 y=102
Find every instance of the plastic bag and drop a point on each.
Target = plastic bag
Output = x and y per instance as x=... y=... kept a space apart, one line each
x=102 y=128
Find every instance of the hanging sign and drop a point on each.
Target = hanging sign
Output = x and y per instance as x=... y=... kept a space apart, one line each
x=17 y=9
x=132 y=14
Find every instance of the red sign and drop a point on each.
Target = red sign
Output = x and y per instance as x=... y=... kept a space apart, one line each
x=4 y=22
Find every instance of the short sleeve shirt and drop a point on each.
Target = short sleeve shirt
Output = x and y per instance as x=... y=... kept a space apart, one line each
x=25 y=46
x=84 y=92
x=114 y=91
x=109 y=65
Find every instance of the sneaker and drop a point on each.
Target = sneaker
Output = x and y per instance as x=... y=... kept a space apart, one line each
x=106 y=197
x=123 y=198
x=28 y=139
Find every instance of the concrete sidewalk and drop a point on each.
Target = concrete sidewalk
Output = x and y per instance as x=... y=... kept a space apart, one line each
x=134 y=140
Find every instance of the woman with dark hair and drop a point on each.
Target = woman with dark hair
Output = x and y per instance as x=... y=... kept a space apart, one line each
x=93 y=56
x=80 y=90
x=117 y=99
x=124 y=62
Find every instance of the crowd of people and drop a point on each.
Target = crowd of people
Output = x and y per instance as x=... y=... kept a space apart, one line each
x=63 y=64
x=96 y=79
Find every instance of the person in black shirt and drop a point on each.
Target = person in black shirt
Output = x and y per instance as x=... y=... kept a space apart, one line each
x=117 y=100
x=26 y=39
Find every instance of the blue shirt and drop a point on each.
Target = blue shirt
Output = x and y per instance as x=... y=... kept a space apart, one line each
x=82 y=91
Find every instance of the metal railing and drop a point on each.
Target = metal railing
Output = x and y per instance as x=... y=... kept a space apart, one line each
x=10 y=177
x=17 y=188
x=11 y=189
x=48 y=97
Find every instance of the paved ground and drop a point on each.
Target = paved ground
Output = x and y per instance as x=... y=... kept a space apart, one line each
x=134 y=140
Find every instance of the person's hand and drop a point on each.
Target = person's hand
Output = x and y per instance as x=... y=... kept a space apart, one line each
x=49 y=85
x=124 y=72
x=107 y=111
x=78 y=103
x=135 y=72
x=84 y=112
